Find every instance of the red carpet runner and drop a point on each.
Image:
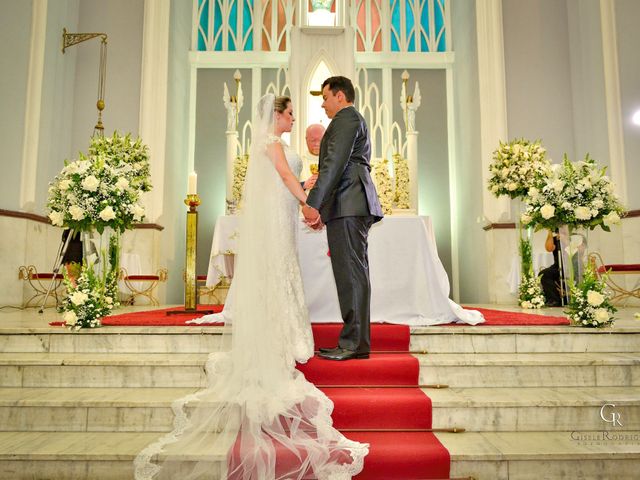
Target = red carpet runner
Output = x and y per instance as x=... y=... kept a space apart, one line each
x=364 y=398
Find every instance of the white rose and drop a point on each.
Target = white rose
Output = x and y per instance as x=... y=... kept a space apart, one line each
x=598 y=203
x=582 y=213
x=504 y=172
x=78 y=297
x=122 y=183
x=611 y=218
x=566 y=205
x=547 y=211
x=138 y=212
x=512 y=186
x=557 y=185
x=494 y=189
x=107 y=213
x=70 y=318
x=602 y=315
x=594 y=298
x=525 y=219
x=108 y=300
x=534 y=192
x=64 y=184
x=81 y=166
x=90 y=183
x=526 y=304
x=56 y=218
x=76 y=212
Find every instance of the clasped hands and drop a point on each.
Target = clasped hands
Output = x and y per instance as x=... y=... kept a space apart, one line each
x=312 y=217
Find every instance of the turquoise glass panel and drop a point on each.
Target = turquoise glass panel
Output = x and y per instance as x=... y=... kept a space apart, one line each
x=217 y=25
x=203 y=22
x=246 y=24
x=439 y=20
x=233 y=21
x=395 y=22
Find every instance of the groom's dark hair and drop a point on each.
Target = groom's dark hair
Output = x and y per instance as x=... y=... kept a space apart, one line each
x=341 y=84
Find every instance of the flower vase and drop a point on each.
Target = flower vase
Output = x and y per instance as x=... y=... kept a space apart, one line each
x=574 y=243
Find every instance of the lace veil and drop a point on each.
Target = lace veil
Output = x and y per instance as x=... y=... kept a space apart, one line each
x=258 y=418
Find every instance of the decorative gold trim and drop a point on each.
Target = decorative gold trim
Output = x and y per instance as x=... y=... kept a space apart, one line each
x=71 y=39
x=30 y=275
x=161 y=276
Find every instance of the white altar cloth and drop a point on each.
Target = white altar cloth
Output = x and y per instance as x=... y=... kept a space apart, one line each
x=409 y=285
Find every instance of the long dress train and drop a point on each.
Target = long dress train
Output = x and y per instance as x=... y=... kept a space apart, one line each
x=259 y=418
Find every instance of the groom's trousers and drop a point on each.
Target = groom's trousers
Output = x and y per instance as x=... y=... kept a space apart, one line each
x=347 y=237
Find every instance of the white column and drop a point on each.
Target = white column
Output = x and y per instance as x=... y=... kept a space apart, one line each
x=153 y=97
x=612 y=98
x=33 y=105
x=493 y=97
x=412 y=163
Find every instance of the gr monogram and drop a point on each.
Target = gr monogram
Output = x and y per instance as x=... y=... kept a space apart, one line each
x=613 y=417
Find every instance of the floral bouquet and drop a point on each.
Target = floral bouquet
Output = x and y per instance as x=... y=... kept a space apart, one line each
x=516 y=167
x=102 y=189
x=401 y=170
x=575 y=194
x=590 y=305
x=92 y=295
x=530 y=292
x=382 y=180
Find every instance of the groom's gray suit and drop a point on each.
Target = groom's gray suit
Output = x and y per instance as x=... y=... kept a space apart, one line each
x=348 y=203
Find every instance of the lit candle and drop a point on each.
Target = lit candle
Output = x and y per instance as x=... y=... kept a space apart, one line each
x=193 y=184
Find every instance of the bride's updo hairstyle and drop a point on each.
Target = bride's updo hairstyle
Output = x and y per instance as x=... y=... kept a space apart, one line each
x=281 y=103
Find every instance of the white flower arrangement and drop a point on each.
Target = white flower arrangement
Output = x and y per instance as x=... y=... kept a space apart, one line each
x=590 y=304
x=239 y=175
x=516 y=167
x=382 y=180
x=102 y=189
x=92 y=295
x=530 y=292
x=575 y=194
x=401 y=170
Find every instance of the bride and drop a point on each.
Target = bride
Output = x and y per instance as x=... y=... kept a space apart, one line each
x=259 y=418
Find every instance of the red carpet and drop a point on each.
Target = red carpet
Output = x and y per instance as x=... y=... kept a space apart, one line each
x=358 y=405
x=500 y=317
x=326 y=334
x=156 y=317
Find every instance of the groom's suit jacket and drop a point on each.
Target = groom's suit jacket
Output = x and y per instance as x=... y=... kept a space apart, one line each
x=344 y=187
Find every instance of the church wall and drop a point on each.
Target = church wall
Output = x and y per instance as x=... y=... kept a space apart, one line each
x=122 y=21
x=587 y=81
x=15 y=30
x=538 y=74
x=628 y=37
x=433 y=163
x=210 y=150
x=472 y=240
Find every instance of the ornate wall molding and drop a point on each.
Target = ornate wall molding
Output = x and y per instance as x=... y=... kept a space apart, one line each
x=42 y=219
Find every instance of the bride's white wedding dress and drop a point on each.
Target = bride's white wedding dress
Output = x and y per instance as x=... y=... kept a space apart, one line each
x=259 y=418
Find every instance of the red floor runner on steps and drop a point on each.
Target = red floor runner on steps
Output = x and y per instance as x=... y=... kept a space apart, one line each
x=392 y=455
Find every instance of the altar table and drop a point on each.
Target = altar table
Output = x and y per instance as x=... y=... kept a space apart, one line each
x=409 y=284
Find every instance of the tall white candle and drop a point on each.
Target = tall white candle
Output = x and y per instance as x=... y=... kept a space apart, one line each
x=193 y=184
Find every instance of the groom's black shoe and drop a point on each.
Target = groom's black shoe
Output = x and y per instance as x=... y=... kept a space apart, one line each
x=329 y=350
x=344 y=354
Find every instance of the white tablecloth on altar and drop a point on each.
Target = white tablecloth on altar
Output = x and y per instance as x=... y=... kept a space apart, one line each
x=409 y=285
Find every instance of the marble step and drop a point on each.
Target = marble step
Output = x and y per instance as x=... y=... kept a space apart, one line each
x=530 y=369
x=475 y=409
x=455 y=370
x=488 y=455
x=549 y=455
x=534 y=409
x=547 y=339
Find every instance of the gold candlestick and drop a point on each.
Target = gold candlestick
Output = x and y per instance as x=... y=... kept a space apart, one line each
x=190 y=278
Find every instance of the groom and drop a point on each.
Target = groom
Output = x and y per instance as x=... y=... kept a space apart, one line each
x=345 y=199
